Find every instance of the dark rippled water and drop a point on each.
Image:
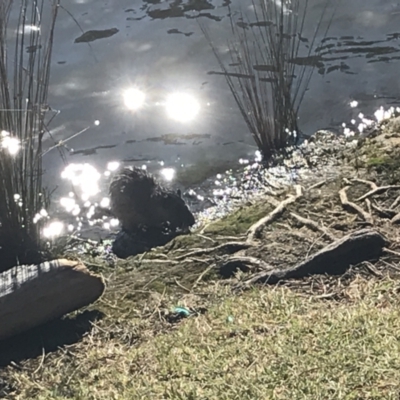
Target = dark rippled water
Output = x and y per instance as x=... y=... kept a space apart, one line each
x=103 y=48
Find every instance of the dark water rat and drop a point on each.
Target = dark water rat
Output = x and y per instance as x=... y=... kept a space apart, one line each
x=138 y=200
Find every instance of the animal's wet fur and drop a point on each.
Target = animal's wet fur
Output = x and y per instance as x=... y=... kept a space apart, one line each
x=146 y=209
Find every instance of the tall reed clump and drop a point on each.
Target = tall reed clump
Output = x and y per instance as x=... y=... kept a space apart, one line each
x=25 y=54
x=272 y=66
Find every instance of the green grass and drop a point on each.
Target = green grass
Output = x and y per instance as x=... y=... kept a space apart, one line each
x=238 y=222
x=280 y=345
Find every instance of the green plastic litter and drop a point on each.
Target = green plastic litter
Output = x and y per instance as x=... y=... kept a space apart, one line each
x=182 y=311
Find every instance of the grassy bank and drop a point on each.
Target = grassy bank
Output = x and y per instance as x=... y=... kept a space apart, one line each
x=320 y=337
x=281 y=344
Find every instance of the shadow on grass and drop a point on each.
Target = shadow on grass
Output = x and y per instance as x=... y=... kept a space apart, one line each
x=47 y=338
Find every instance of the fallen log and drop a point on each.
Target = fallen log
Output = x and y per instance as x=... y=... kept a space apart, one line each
x=31 y=295
x=334 y=259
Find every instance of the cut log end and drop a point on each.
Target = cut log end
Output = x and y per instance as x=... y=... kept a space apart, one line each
x=31 y=295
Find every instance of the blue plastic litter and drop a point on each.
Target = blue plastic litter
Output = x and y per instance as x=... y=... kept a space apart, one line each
x=184 y=312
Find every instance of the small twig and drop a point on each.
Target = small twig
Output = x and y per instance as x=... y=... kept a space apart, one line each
x=150 y=281
x=372 y=269
x=208 y=269
x=391 y=266
x=156 y=261
x=205 y=237
x=354 y=207
x=41 y=360
x=206 y=261
x=383 y=212
x=324 y=296
x=204 y=228
x=395 y=253
x=395 y=219
x=313 y=244
x=230 y=237
x=181 y=286
x=347 y=181
x=316 y=185
x=314 y=226
x=371 y=184
x=395 y=203
x=377 y=190
x=230 y=247
x=368 y=203
x=142 y=256
x=255 y=230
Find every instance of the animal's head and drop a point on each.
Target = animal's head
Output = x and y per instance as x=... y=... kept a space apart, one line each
x=132 y=182
x=178 y=214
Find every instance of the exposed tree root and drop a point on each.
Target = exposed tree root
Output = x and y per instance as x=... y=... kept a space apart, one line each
x=313 y=225
x=383 y=212
x=371 y=184
x=377 y=190
x=334 y=259
x=255 y=230
x=230 y=248
x=354 y=207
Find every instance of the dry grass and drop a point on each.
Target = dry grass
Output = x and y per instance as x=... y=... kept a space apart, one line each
x=280 y=344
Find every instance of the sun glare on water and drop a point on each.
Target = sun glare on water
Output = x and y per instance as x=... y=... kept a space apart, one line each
x=182 y=107
x=11 y=144
x=53 y=230
x=84 y=176
x=134 y=99
x=168 y=174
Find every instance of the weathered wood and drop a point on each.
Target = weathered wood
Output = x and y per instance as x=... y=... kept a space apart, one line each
x=334 y=259
x=31 y=295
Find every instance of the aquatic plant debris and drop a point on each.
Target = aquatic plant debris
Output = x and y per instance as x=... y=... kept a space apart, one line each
x=93 y=35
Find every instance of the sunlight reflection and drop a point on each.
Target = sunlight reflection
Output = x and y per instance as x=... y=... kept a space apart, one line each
x=113 y=165
x=84 y=176
x=134 y=98
x=168 y=174
x=42 y=214
x=9 y=143
x=68 y=203
x=114 y=222
x=382 y=114
x=182 y=107
x=53 y=230
x=105 y=202
x=30 y=28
